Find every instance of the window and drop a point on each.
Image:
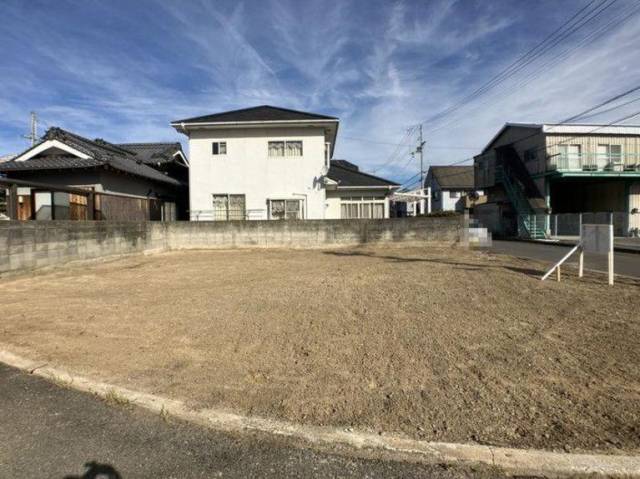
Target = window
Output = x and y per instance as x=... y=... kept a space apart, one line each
x=454 y=194
x=219 y=148
x=276 y=148
x=229 y=207
x=609 y=154
x=355 y=207
x=616 y=153
x=563 y=152
x=285 y=148
x=286 y=209
x=294 y=148
x=570 y=157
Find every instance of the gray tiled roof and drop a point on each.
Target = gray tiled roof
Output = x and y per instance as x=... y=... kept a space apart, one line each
x=102 y=153
x=346 y=173
x=50 y=163
x=153 y=153
x=257 y=113
x=453 y=177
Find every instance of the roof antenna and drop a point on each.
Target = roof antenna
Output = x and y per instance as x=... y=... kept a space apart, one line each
x=33 y=136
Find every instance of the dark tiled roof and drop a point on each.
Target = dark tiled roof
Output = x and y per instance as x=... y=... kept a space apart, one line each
x=153 y=153
x=140 y=169
x=346 y=173
x=101 y=153
x=257 y=113
x=345 y=164
x=50 y=163
x=453 y=177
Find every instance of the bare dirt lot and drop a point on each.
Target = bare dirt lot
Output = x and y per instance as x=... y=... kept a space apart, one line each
x=436 y=343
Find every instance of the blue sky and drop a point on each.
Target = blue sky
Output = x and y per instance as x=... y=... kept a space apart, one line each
x=122 y=70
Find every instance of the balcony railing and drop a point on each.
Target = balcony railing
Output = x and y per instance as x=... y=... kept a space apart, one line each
x=629 y=162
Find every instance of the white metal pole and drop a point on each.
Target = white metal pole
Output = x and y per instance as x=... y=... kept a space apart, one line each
x=581 y=263
x=580 y=224
x=564 y=258
x=611 y=246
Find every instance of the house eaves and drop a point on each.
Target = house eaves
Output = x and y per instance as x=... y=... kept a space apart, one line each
x=504 y=128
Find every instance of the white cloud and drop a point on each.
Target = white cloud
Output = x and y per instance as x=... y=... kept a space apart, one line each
x=380 y=66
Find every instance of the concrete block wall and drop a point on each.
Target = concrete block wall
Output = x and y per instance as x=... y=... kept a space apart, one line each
x=309 y=233
x=28 y=245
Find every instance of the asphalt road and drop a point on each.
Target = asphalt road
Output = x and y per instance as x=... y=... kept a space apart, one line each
x=624 y=263
x=48 y=431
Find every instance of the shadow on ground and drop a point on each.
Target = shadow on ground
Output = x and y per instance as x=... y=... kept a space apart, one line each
x=95 y=470
x=457 y=264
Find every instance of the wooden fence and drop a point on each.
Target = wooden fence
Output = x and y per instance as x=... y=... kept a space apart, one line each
x=50 y=202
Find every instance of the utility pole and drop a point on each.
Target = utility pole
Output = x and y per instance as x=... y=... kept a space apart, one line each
x=33 y=136
x=420 y=149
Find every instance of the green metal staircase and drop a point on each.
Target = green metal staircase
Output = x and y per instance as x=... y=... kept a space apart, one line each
x=529 y=224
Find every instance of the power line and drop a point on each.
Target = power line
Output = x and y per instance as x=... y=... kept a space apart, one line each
x=393 y=157
x=582 y=17
x=368 y=140
x=567 y=120
x=566 y=140
x=617 y=97
x=610 y=109
x=618 y=20
x=455 y=163
x=596 y=34
x=514 y=67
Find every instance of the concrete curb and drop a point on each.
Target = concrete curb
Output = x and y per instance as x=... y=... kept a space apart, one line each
x=512 y=461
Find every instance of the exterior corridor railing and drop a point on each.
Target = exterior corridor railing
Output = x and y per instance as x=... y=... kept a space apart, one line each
x=568 y=224
x=629 y=162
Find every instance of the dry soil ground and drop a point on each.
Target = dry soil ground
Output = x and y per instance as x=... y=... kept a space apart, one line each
x=436 y=343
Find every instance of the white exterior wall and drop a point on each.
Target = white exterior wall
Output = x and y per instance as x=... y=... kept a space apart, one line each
x=446 y=203
x=332 y=211
x=248 y=169
x=449 y=203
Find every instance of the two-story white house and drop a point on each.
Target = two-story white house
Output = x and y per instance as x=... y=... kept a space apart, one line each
x=267 y=162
